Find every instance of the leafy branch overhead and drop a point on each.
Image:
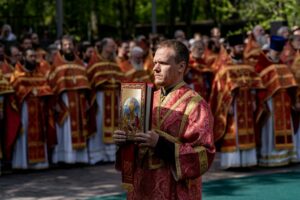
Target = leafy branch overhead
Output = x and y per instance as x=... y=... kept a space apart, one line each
x=91 y=18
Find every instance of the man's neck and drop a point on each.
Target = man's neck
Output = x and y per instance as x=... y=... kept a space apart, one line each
x=167 y=89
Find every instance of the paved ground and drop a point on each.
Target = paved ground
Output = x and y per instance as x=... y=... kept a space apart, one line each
x=83 y=182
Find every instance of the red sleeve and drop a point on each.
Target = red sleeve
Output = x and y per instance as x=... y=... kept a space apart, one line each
x=195 y=154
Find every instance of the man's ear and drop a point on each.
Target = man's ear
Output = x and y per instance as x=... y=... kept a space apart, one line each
x=182 y=66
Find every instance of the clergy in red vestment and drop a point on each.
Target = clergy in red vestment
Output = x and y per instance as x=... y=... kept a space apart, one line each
x=179 y=148
x=199 y=75
x=5 y=91
x=5 y=67
x=123 y=55
x=105 y=77
x=274 y=107
x=291 y=49
x=11 y=115
x=295 y=67
x=41 y=54
x=70 y=85
x=256 y=42
x=211 y=52
x=148 y=57
x=233 y=104
x=136 y=71
x=38 y=132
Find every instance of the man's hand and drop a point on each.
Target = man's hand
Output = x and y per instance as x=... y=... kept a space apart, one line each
x=119 y=137
x=148 y=139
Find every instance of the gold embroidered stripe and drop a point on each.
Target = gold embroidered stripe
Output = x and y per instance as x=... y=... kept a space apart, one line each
x=3 y=81
x=170 y=94
x=241 y=147
x=272 y=67
x=130 y=72
x=68 y=78
x=30 y=79
x=240 y=133
x=271 y=157
x=284 y=146
x=103 y=73
x=165 y=100
x=101 y=64
x=66 y=66
x=281 y=77
x=6 y=90
x=245 y=78
x=168 y=136
x=177 y=163
x=202 y=159
x=191 y=105
x=234 y=68
x=176 y=104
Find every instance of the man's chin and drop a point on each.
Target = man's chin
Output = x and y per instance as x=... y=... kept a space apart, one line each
x=158 y=83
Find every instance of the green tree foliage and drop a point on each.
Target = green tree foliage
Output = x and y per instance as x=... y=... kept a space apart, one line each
x=264 y=12
x=91 y=18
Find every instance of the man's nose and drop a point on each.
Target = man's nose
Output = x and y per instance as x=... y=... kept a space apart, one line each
x=156 y=67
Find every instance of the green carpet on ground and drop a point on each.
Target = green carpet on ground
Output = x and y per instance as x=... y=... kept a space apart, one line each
x=283 y=186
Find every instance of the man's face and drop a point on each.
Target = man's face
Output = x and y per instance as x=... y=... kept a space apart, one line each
x=286 y=34
x=275 y=55
x=258 y=30
x=197 y=51
x=124 y=49
x=15 y=55
x=137 y=57
x=215 y=32
x=296 y=40
x=27 y=43
x=30 y=57
x=166 y=71
x=88 y=53
x=35 y=39
x=238 y=50
x=67 y=46
x=180 y=36
x=110 y=47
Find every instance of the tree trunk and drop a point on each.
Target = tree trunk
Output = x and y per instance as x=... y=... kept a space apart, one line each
x=121 y=17
x=173 y=11
x=130 y=18
x=188 y=8
x=94 y=20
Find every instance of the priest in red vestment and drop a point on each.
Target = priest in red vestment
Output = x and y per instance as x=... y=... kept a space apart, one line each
x=199 y=75
x=70 y=85
x=179 y=148
x=38 y=131
x=135 y=67
x=274 y=107
x=11 y=115
x=295 y=68
x=291 y=48
x=5 y=91
x=233 y=104
x=105 y=77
